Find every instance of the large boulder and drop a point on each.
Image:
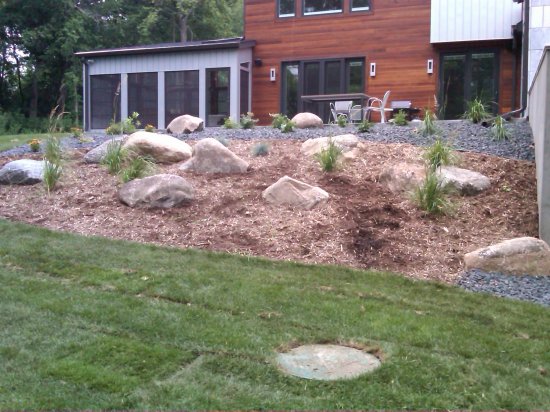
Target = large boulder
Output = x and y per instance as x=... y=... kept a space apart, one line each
x=307 y=120
x=97 y=154
x=467 y=182
x=525 y=255
x=159 y=191
x=22 y=172
x=162 y=148
x=348 y=143
x=185 y=124
x=210 y=156
x=403 y=177
x=292 y=192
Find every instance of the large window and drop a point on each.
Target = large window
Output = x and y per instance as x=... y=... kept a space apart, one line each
x=286 y=8
x=104 y=100
x=217 y=94
x=182 y=94
x=360 y=5
x=143 y=97
x=322 y=6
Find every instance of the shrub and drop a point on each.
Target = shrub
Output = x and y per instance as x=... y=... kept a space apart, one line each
x=433 y=195
x=342 y=120
x=400 y=118
x=288 y=127
x=127 y=126
x=137 y=168
x=222 y=140
x=247 y=121
x=114 y=157
x=230 y=124
x=53 y=152
x=328 y=157
x=364 y=126
x=76 y=132
x=260 y=149
x=428 y=127
x=279 y=120
x=34 y=145
x=52 y=174
x=499 y=129
x=439 y=154
x=150 y=128
x=476 y=111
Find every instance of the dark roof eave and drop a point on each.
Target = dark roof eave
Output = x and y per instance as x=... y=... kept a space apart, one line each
x=167 y=49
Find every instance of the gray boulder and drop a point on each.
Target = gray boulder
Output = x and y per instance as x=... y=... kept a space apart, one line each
x=97 y=154
x=159 y=191
x=292 y=192
x=525 y=255
x=467 y=182
x=185 y=124
x=403 y=177
x=22 y=172
x=210 y=156
x=161 y=147
x=307 y=120
x=348 y=143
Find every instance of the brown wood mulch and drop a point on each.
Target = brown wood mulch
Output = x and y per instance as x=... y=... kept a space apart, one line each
x=363 y=225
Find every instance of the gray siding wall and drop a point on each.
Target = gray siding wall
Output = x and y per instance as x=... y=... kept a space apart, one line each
x=539 y=118
x=164 y=62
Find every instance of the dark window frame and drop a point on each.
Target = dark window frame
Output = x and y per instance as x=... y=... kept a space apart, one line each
x=321 y=13
x=284 y=16
x=208 y=91
x=360 y=9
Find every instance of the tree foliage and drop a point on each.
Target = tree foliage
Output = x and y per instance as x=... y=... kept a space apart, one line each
x=38 y=39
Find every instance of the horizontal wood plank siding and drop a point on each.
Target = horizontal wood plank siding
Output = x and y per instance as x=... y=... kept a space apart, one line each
x=395 y=35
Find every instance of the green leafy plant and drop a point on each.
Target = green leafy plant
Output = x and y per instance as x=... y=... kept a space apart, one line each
x=499 y=129
x=53 y=152
x=260 y=149
x=428 y=127
x=329 y=157
x=247 y=121
x=127 y=126
x=288 y=127
x=439 y=154
x=476 y=111
x=149 y=128
x=400 y=118
x=114 y=157
x=432 y=195
x=34 y=145
x=279 y=120
x=52 y=174
x=364 y=126
x=136 y=168
x=76 y=132
x=342 y=120
x=230 y=124
x=222 y=140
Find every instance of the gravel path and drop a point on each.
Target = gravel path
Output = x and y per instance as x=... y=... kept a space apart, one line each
x=462 y=134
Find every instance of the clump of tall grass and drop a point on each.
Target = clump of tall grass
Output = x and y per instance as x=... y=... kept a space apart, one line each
x=439 y=154
x=476 y=111
x=428 y=127
x=114 y=157
x=52 y=174
x=400 y=118
x=260 y=149
x=432 y=195
x=247 y=121
x=329 y=157
x=499 y=129
x=364 y=126
x=53 y=151
x=136 y=168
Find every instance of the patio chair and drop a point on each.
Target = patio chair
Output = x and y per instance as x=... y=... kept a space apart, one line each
x=356 y=114
x=339 y=109
x=376 y=105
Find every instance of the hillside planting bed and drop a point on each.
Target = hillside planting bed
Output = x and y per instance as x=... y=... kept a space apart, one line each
x=363 y=224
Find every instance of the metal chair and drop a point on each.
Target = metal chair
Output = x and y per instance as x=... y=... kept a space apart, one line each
x=342 y=108
x=376 y=105
x=356 y=114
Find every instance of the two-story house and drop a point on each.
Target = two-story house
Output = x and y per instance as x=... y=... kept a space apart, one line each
x=423 y=51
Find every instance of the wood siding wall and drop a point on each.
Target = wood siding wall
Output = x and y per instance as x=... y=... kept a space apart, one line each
x=394 y=34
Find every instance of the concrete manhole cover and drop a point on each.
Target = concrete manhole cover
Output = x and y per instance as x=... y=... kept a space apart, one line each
x=327 y=362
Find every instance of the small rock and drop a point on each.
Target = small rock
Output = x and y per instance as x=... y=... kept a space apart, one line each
x=22 y=172
x=161 y=147
x=288 y=191
x=465 y=181
x=185 y=124
x=210 y=156
x=307 y=120
x=97 y=154
x=403 y=177
x=159 y=191
x=526 y=255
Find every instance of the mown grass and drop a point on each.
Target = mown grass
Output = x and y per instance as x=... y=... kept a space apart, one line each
x=91 y=323
x=11 y=141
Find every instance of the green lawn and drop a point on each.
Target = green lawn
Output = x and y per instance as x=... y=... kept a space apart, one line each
x=90 y=323
x=14 y=140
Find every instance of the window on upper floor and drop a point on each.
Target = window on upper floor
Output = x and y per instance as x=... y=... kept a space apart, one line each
x=322 y=6
x=360 y=5
x=286 y=8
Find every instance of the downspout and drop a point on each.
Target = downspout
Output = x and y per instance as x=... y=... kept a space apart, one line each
x=525 y=57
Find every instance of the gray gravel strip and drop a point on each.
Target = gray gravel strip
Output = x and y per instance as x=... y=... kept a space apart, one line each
x=521 y=287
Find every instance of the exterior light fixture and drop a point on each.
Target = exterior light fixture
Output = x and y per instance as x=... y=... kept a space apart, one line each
x=430 y=66
x=372 y=69
x=272 y=74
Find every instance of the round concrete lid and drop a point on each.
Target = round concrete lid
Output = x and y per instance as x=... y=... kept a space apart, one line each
x=327 y=362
